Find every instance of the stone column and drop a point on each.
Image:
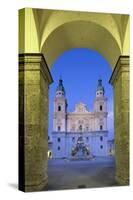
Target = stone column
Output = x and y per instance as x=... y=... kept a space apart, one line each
x=34 y=79
x=120 y=82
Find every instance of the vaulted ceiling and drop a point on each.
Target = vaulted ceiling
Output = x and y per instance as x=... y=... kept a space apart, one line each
x=52 y=32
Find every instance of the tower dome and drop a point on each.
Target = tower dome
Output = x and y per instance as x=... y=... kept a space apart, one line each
x=100 y=88
x=60 y=90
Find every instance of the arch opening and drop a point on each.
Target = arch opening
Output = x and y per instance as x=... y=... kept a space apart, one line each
x=77 y=68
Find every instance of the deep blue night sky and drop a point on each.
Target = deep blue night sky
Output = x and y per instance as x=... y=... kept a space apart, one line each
x=80 y=70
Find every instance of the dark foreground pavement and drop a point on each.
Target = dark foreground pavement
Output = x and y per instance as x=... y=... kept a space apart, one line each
x=72 y=174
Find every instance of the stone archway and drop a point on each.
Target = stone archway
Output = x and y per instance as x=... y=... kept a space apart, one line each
x=45 y=34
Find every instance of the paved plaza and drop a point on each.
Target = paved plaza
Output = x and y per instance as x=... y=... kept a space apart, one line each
x=72 y=174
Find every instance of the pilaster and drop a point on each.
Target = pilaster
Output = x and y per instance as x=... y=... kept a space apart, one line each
x=120 y=82
x=34 y=79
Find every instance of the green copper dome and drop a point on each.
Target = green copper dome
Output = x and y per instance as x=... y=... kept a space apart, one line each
x=100 y=87
x=60 y=86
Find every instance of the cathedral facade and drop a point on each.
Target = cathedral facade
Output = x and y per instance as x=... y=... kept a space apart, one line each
x=79 y=134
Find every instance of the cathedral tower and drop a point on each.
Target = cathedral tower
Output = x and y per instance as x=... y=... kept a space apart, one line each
x=100 y=108
x=60 y=108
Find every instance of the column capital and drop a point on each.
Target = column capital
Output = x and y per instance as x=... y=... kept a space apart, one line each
x=122 y=65
x=30 y=61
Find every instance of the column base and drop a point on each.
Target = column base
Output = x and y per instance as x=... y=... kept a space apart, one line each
x=121 y=181
x=36 y=188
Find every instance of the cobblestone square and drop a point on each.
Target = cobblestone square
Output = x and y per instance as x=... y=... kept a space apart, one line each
x=74 y=174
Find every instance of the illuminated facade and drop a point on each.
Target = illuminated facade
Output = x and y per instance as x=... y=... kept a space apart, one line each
x=79 y=133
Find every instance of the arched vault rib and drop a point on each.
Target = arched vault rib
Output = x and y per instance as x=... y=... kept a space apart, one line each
x=81 y=34
x=58 y=18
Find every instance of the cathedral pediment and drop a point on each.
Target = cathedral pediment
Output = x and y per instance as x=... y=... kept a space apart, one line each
x=81 y=108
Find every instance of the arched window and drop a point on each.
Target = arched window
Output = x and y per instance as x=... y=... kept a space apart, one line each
x=58 y=139
x=59 y=128
x=101 y=108
x=59 y=108
x=58 y=148
x=101 y=127
x=101 y=138
x=80 y=127
x=101 y=146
